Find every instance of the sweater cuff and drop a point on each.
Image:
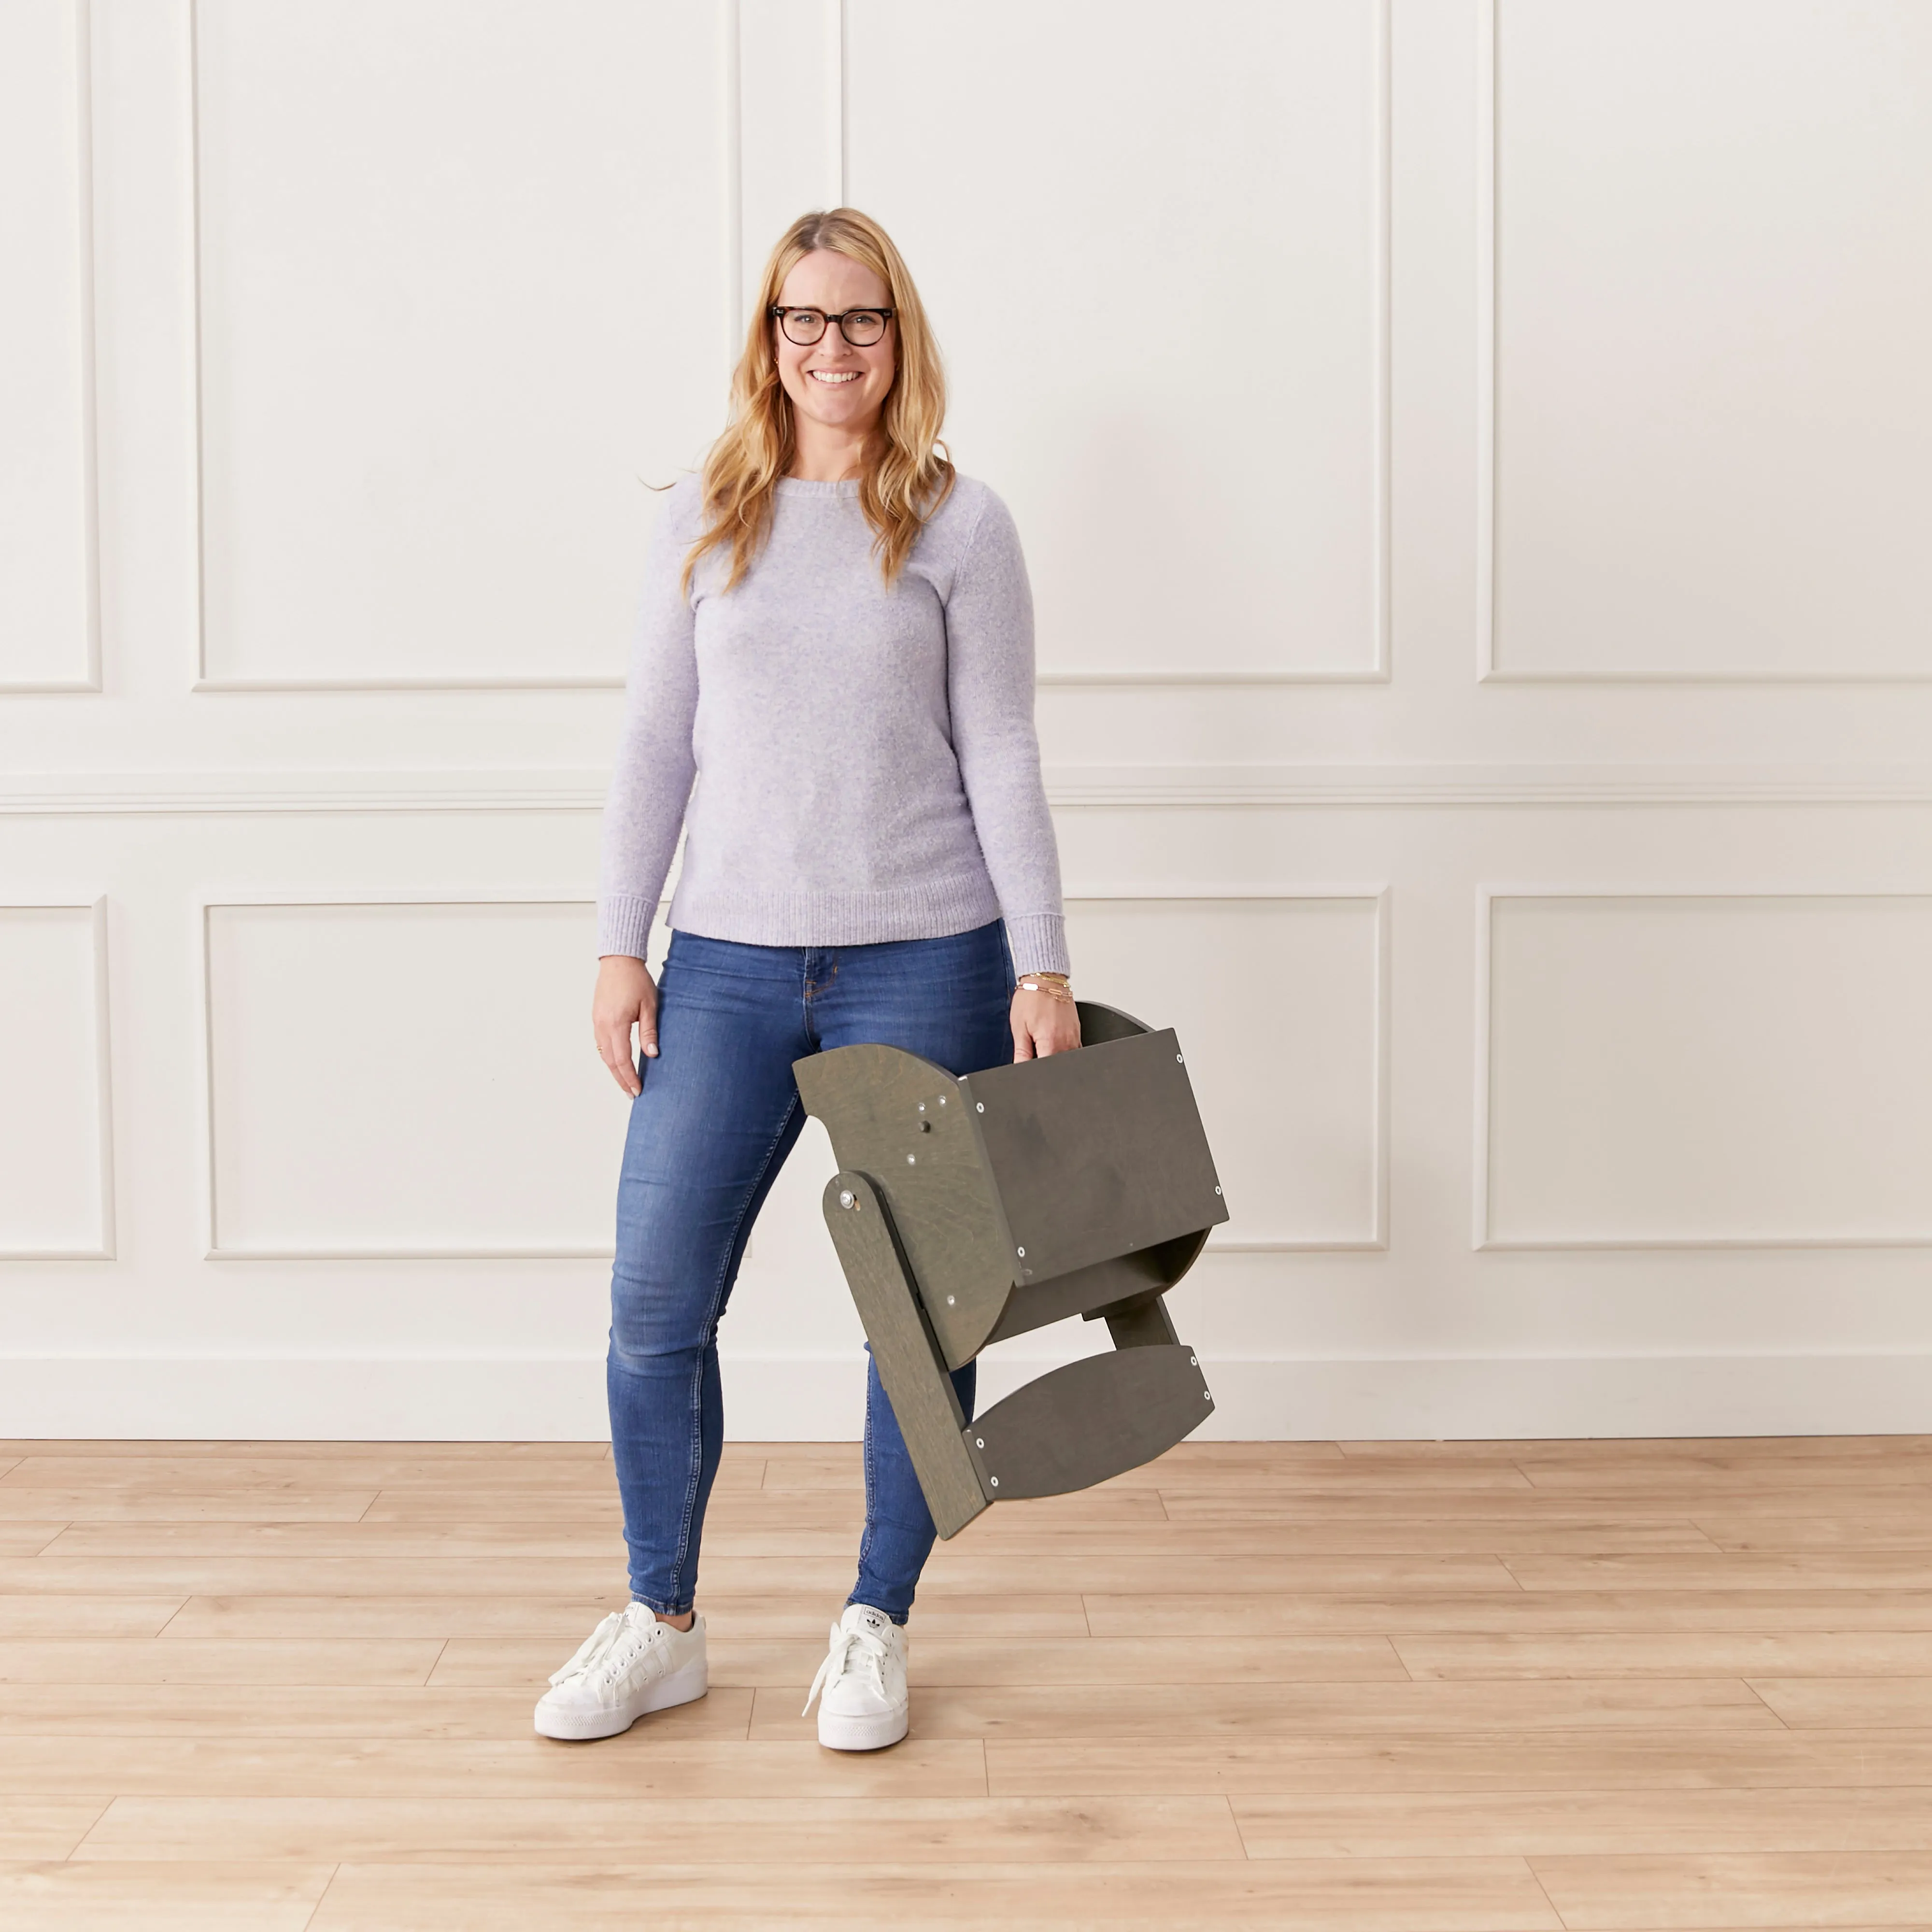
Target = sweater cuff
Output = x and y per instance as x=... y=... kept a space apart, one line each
x=1039 y=943
x=624 y=925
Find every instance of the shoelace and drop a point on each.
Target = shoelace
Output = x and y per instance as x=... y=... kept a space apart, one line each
x=871 y=1650
x=597 y=1647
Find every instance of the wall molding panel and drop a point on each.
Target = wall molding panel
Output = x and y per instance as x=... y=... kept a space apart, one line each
x=391 y=38
x=224 y=1072
x=1492 y=111
x=29 y=1010
x=1371 y=664
x=21 y=509
x=1595 y=1086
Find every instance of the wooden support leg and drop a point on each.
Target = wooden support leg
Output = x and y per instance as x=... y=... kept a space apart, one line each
x=910 y=1365
x=1141 y=1323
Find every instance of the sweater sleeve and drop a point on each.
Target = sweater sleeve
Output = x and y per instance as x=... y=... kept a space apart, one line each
x=652 y=774
x=990 y=689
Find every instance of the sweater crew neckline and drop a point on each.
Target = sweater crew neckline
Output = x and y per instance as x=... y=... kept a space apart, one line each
x=800 y=486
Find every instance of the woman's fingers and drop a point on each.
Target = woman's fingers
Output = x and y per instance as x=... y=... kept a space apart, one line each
x=613 y=1048
x=626 y=996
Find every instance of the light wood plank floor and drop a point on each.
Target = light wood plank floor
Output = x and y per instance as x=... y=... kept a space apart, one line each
x=1612 y=1685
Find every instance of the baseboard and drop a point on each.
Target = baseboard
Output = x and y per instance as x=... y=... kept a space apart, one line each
x=771 y=1398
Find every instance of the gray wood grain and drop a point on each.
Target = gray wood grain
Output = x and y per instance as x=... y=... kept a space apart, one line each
x=917 y=1382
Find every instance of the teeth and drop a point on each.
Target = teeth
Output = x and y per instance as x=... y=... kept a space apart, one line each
x=833 y=376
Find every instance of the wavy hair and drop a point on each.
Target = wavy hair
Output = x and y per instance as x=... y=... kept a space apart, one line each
x=903 y=477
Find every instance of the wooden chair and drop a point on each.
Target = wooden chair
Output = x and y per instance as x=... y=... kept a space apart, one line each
x=969 y=1208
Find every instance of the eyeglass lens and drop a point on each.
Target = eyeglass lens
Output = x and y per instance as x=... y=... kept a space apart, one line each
x=861 y=327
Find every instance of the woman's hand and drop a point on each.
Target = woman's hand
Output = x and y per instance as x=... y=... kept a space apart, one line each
x=1043 y=1023
x=626 y=996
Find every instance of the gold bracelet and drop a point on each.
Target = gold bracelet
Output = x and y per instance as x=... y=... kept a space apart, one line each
x=1054 y=984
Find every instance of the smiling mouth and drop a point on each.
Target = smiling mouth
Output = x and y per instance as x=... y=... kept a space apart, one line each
x=836 y=377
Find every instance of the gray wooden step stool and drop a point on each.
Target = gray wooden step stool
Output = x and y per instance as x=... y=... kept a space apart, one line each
x=967 y=1209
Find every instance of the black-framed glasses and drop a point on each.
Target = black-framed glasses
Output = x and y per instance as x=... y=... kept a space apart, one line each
x=861 y=327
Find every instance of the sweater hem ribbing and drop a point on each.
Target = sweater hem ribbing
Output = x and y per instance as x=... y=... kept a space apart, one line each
x=1037 y=941
x=932 y=909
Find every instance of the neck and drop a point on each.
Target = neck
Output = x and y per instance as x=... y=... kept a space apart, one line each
x=823 y=455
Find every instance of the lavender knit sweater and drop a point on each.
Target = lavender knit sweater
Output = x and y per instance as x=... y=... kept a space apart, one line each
x=864 y=759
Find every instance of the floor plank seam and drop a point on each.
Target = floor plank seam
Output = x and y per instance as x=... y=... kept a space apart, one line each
x=74 y=1850
x=1529 y=1866
x=174 y=1613
x=1240 y=1836
x=1765 y=1701
x=334 y=1870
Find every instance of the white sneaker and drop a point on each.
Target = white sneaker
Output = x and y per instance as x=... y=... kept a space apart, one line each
x=864 y=1680
x=629 y=1664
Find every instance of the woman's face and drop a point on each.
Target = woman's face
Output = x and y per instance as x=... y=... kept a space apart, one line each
x=832 y=382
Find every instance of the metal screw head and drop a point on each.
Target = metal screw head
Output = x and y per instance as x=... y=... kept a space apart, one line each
x=847 y=1199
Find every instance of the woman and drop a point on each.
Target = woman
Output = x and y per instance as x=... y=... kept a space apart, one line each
x=836 y=645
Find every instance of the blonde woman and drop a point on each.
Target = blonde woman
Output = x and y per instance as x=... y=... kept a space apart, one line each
x=835 y=649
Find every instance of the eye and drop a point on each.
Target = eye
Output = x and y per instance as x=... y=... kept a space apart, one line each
x=803 y=326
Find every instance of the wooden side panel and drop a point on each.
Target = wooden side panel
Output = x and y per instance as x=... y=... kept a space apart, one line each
x=906 y=1350
x=904 y=1121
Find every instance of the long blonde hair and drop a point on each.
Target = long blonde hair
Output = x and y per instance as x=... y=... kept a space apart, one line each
x=903 y=478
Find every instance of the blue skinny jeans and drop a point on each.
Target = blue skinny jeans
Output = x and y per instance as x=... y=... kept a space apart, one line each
x=719 y=1112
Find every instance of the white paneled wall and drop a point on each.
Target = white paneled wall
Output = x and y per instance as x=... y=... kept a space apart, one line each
x=1472 y=456
x=1713 y=416
x=367 y=1099
x=56 y=1179
x=47 y=637
x=462 y=282
x=1122 y=241
x=1724 y=1069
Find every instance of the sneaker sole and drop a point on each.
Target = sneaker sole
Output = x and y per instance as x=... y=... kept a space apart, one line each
x=681 y=1687
x=857 y=1734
